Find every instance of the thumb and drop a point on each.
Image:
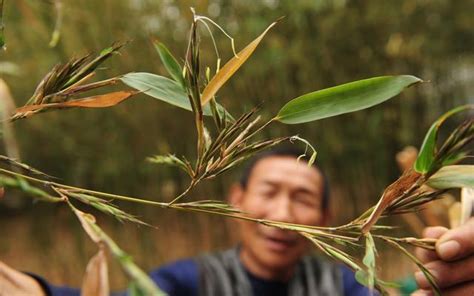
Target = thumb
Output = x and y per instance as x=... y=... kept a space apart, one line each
x=457 y=243
x=13 y=282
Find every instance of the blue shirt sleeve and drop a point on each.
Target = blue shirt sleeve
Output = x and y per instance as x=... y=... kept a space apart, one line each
x=52 y=290
x=179 y=278
x=351 y=286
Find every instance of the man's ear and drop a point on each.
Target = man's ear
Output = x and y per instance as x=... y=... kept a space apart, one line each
x=235 y=195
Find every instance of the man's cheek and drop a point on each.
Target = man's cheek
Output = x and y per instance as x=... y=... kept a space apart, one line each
x=249 y=230
x=307 y=245
x=309 y=217
x=255 y=210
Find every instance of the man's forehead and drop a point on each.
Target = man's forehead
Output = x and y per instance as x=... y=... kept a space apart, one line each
x=286 y=168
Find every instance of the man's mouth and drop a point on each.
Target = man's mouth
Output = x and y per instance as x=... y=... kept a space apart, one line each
x=279 y=244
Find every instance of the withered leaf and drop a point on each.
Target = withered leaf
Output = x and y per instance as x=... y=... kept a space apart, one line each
x=87 y=223
x=99 y=101
x=96 y=279
x=231 y=67
x=395 y=190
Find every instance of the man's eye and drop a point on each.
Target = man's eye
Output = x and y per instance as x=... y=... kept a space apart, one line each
x=305 y=200
x=267 y=193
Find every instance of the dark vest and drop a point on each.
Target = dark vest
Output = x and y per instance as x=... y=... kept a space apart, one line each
x=222 y=274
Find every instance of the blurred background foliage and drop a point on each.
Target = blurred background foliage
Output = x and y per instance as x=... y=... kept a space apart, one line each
x=318 y=44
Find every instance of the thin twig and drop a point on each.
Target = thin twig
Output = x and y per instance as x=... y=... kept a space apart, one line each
x=2 y=27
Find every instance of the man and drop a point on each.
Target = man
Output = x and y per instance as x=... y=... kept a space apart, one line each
x=271 y=261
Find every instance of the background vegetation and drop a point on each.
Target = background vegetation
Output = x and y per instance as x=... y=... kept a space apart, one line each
x=318 y=44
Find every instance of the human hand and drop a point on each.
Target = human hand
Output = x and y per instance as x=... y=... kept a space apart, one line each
x=452 y=264
x=13 y=282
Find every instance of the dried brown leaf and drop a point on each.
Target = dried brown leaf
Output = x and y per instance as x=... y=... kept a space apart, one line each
x=87 y=222
x=467 y=204
x=394 y=191
x=99 y=101
x=96 y=279
x=7 y=106
x=230 y=68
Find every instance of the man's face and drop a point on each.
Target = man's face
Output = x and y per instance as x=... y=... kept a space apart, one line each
x=279 y=188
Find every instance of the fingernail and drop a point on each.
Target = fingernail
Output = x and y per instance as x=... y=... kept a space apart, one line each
x=449 y=249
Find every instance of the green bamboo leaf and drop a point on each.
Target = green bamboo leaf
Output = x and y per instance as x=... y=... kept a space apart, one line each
x=368 y=278
x=344 y=98
x=166 y=90
x=454 y=158
x=24 y=186
x=387 y=284
x=369 y=260
x=158 y=87
x=135 y=290
x=170 y=63
x=428 y=148
x=452 y=176
x=362 y=277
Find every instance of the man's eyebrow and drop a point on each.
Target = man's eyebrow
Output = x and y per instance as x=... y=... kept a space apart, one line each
x=307 y=190
x=269 y=182
x=298 y=190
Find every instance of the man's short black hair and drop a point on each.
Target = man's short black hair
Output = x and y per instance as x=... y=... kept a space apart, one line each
x=285 y=151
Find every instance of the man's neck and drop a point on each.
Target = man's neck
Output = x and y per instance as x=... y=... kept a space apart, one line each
x=259 y=270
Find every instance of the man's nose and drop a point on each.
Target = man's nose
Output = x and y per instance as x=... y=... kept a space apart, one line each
x=282 y=210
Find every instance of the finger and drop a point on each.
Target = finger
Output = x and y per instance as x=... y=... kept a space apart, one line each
x=465 y=289
x=422 y=293
x=424 y=255
x=457 y=243
x=4 y=269
x=13 y=282
x=434 y=232
x=447 y=274
x=9 y=274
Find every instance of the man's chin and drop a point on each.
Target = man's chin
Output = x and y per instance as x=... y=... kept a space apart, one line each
x=281 y=258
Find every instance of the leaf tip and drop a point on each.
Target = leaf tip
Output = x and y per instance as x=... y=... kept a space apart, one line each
x=279 y=19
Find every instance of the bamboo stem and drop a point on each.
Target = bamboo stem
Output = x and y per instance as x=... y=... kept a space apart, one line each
x=313 y=230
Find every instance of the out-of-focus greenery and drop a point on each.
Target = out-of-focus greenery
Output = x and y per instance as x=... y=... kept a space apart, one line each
x=318 y=44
